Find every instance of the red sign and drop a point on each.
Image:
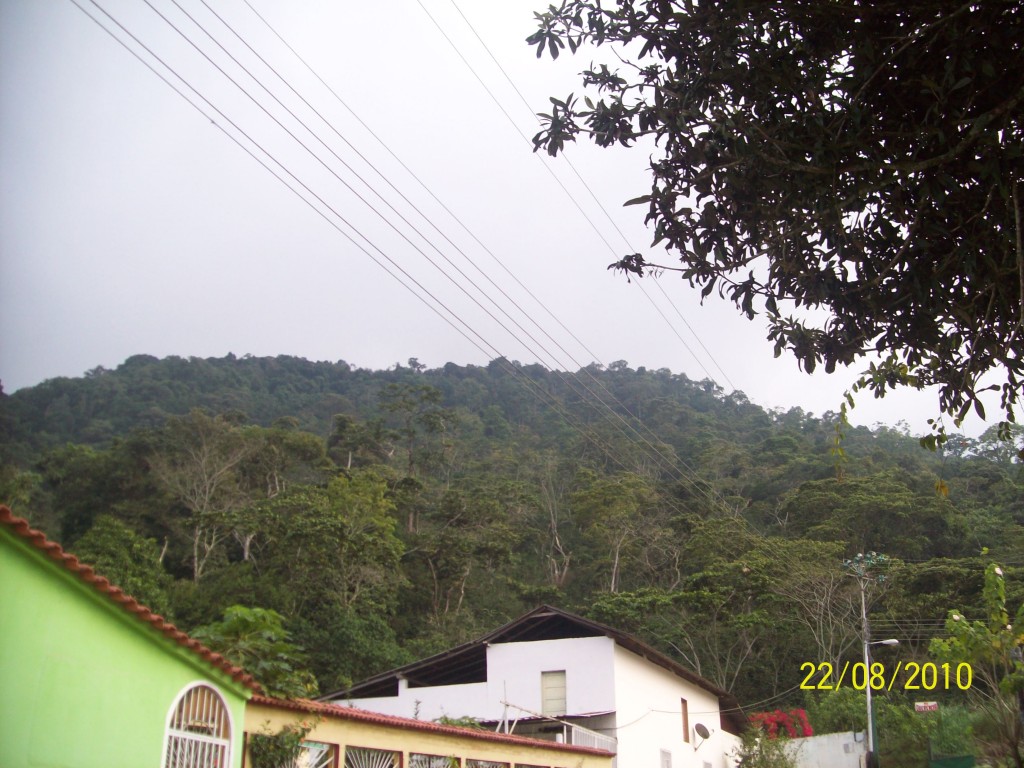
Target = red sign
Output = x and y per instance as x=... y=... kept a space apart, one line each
x=926 y=706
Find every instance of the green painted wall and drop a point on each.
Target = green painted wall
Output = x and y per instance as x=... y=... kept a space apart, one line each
x=82 y=682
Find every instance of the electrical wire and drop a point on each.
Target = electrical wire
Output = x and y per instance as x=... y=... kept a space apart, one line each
x=656 y=454
x=600 y=205
x=588 y=434
x=422 y=185
x=576 y=203
x=699 y=487
x=341 y=218
x=577 y=363
x=383 y=177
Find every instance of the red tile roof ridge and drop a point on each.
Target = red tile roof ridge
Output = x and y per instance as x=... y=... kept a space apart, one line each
x=365 y=715
x=20 y=527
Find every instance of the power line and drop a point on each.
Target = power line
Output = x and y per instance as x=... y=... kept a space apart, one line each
x=546 y=166
x=382 y=176
x=625 y=429
x=347 y=166
x=594 y=197
x=658 y=457
x=362 y=199
x=417 y=179
x=272 y=158
x=421 y=183
x=582 y=429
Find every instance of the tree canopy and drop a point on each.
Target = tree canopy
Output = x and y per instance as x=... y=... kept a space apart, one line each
x=852 y=170
x=379 y=534
x=991 y=649
x=256 y=639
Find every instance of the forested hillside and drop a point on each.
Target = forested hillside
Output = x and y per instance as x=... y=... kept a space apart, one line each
x=388 y=514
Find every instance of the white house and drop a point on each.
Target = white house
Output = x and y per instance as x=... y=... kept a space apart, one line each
x=559 y=676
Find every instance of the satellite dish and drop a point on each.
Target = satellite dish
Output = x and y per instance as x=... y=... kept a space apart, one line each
x=702 y=730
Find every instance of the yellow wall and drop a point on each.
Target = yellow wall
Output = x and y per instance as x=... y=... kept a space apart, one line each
x=261 y=718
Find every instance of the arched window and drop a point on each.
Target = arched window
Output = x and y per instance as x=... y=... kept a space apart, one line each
x=198 y=730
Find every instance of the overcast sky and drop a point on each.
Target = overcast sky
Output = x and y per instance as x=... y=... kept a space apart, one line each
x=131 y=222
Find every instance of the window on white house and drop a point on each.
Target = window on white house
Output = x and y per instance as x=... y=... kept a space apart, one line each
x=666 y=759
x=471 y=763
x=686 y=720
x=198 y=733
x=552 y=693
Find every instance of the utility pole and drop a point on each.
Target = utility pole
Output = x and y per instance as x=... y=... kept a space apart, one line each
x=865 y=628
x=863 y=568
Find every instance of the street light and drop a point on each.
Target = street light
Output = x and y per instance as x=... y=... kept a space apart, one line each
x=872 y=758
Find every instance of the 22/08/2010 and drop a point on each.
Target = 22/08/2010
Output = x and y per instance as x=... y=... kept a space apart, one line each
x=928 y=676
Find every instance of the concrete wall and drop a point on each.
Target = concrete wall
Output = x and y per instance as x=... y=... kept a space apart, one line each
x=829 y=750
x=83 y=684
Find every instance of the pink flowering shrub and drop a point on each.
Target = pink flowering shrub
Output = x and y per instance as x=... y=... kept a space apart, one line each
x=793 y=723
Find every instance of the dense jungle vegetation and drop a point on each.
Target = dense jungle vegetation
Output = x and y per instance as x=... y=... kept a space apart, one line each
x=386 y=515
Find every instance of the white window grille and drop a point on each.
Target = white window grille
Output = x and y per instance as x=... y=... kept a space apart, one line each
x=357 y=757
x=198 y=730
x=470 y=763
x=666 y=759
x=316 y=754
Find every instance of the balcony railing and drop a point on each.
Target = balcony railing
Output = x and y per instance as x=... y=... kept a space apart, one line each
x=584 y=737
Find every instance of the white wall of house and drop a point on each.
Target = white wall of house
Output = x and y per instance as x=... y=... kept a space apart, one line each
x=650 y=720
x=514 y=673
